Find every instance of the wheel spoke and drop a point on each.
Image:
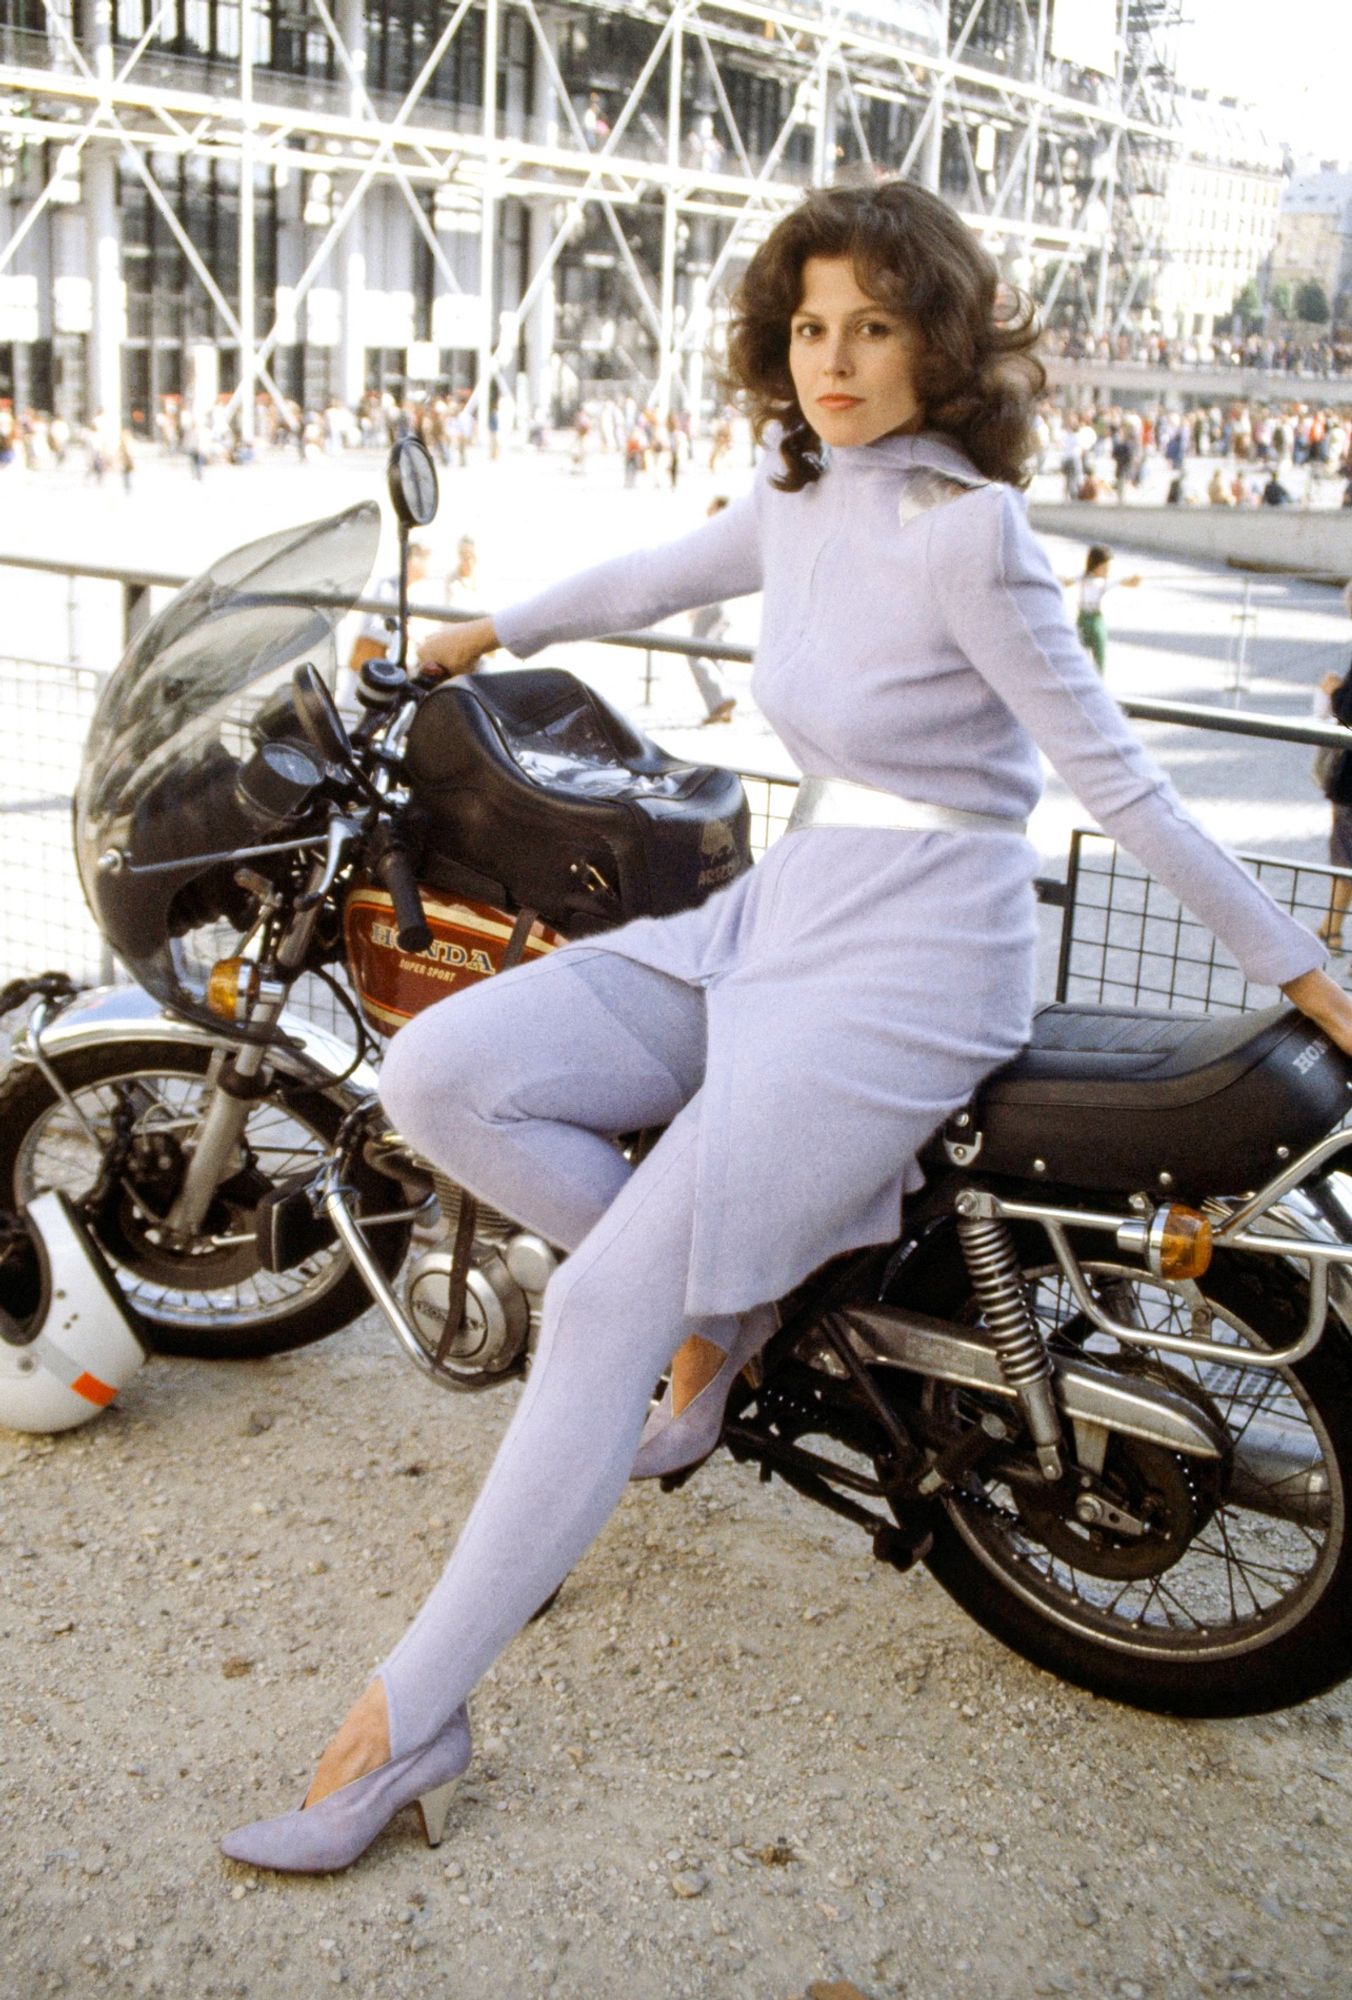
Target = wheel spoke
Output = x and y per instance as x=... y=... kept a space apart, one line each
x=1249 y=1569
x=278 y=1142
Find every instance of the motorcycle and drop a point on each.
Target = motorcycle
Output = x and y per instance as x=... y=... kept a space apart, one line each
x=1101 y=1381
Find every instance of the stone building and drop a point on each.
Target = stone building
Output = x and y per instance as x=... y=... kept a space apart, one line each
x=1314 y=233
x=1222 y=194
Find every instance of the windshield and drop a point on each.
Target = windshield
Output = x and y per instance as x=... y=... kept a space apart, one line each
x=173 y=724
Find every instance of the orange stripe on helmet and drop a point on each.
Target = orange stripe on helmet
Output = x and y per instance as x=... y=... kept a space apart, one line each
x=94 y=1391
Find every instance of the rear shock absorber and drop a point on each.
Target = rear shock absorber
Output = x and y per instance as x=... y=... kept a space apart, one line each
x=993 y=1266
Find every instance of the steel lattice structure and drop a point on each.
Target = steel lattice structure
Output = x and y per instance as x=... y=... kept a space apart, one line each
x=541 y=162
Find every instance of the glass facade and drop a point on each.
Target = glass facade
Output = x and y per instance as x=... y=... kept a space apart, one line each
x=290 y=38
x=168 y=308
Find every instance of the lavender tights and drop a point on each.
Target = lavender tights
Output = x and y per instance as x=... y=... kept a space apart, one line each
x=517 y=1088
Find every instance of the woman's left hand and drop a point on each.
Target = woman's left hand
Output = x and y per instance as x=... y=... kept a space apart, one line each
x=1326 y=1004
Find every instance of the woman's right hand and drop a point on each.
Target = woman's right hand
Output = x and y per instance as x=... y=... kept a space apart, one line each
x=455 y=649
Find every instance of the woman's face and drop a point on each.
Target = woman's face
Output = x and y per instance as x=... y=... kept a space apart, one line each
x=851 y=359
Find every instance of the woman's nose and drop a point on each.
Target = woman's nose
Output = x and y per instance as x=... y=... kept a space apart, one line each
x=837 y=355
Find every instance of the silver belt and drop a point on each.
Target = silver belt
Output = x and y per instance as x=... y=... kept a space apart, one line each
x=841 y=802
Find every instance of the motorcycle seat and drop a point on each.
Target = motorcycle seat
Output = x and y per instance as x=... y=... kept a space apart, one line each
x=1125 y=1099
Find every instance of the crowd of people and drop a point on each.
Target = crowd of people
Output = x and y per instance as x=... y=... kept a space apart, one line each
x=1238 y=452
x=1283 y=354
x=1244 y=453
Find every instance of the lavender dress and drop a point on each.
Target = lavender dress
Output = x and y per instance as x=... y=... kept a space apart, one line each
x=861 y=983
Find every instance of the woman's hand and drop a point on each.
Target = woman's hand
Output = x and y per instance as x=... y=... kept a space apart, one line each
x=456 y=649
x=1326 y=1004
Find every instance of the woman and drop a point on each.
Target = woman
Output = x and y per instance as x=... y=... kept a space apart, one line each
x=803 y=1032
x=1093 y=586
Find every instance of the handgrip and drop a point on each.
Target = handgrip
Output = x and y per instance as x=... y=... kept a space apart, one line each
x=394 y=871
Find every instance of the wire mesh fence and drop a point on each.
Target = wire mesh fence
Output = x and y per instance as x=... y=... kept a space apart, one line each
x=1127 y=941
x=45 y=710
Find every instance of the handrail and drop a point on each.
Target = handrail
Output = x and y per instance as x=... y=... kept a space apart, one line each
x=1186 y=714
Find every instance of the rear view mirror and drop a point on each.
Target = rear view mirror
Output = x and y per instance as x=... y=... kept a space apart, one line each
x=412 y=479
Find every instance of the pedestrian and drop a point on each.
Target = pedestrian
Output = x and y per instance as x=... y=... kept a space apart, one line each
x=463 y=588
x=378 y=634
x=462 y=431
x=678 y=446
x=802 y=1032
x=1093 y=586
x=581 y=433
x=193 y=446
x=97 y=448
x=1333 y=774
x=710 y=621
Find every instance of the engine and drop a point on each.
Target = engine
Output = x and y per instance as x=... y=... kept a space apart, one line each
x=509 y=1269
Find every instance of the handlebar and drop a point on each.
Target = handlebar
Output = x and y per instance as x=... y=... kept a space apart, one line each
x=394 y=871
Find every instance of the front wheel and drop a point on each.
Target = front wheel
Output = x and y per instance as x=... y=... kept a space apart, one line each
x=1238 y=1597
x=213 y=1298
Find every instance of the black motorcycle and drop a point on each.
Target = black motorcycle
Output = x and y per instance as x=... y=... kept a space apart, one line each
x=1101 y=1383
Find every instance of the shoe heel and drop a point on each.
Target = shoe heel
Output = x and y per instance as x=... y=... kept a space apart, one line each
x=434 y=1807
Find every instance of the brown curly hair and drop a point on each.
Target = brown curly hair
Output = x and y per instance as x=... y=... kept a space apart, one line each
x=976 y=373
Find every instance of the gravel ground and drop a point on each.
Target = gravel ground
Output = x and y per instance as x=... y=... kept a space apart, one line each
x=737 y=1757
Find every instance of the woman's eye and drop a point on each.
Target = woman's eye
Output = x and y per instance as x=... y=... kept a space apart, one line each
x=877 y=328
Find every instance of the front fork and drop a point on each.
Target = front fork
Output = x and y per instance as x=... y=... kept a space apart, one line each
x=241 y=1083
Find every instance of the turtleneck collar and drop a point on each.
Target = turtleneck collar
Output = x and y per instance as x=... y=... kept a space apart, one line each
x=913 y=450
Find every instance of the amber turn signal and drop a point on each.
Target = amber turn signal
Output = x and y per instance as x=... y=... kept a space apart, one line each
x=1180 y=1243
x=232 y=987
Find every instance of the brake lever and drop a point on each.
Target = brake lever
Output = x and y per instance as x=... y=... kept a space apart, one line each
x=342 y=829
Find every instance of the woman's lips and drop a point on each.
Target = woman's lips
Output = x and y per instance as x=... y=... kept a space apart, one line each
x=839 y=402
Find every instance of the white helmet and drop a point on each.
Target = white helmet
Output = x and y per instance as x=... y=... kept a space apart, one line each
x=67 y=1343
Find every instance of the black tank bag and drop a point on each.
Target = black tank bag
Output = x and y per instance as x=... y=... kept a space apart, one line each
x=536 y=794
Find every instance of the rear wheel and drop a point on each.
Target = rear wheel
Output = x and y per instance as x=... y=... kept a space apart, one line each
x=1237 y=1596
x=212 y=1299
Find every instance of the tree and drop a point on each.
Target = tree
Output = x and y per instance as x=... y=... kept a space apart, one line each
x=1248 y=303
x=1312 y=303
x=1279 y=298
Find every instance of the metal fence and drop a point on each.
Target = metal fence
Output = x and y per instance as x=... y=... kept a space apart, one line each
x=1127 y=941
x=1124 y=939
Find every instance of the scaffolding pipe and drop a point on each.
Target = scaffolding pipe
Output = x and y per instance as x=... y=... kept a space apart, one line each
x=248 y=308
x=488 y=221
x=667 y=306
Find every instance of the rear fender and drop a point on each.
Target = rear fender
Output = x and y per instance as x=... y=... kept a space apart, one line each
x=108 y=1015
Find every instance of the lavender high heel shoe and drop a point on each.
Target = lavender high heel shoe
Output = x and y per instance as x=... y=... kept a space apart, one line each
x=330 y=1835
x=669 y=1443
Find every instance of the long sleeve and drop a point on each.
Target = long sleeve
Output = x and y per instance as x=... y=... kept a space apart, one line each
x=1005 y=610
x=720 y=559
